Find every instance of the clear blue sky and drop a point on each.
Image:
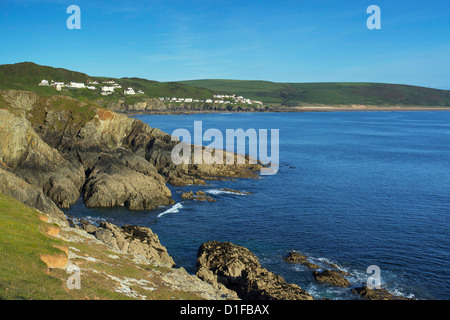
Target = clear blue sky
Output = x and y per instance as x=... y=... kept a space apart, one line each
x=276 y=40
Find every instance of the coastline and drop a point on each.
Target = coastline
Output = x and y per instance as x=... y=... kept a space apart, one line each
x=100 y=139
x=285 y=110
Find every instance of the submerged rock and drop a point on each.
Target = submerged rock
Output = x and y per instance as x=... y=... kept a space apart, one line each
x=295 y=257
x=236 y=268
x=377 y=294
x=198 y=196
x=332 y=277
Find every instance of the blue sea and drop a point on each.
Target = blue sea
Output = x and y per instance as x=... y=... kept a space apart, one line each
x=354 y=188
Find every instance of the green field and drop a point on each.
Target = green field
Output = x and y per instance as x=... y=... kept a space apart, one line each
x=337 y=93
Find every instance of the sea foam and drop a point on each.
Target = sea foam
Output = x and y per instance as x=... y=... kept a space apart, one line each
x=173 y=209
x=221 y=191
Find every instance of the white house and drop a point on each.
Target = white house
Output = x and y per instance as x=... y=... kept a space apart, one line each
x=107 y=89
x=44 y=83
x=91 y=87
x=129 y=91
x=76 y=85
x=188 y=100
x=208 y=101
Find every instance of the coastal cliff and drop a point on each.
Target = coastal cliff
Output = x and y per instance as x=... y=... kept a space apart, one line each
x=55 y=150
x=68 y=148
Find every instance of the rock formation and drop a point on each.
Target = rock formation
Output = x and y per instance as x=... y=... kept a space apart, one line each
x=295 y=257
x=332 y=277
x=377 y=294
x=134 y=240
x=236 y=268
x=198 y=196
x=69 y=148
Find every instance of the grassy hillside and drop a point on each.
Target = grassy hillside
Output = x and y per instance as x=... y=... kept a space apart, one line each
x=23 y=275
x=27 y=75
x=105 y=275
x=377 y=94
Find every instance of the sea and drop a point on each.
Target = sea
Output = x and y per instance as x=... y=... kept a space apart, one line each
x=355 y=189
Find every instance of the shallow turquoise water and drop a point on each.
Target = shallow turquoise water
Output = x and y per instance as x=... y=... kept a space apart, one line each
x=354 y=188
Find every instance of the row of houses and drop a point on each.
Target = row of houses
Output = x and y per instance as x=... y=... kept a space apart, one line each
x=230 y=99
x=105 y=87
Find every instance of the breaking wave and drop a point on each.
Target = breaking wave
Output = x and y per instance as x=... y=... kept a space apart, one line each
x=173 y=209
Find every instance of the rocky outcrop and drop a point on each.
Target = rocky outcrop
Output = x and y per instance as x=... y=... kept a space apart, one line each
x=17 y=188
x=147 y=104
x=236 y=268
x=68 y=146
x=138 y=241
x=377 y=294
x=295 y=257
x=121 y=178
x=331 y=277
x=198 y=196
x=30 y=158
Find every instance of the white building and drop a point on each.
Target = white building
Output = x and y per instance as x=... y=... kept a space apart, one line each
x=44 y=83
x=129 y=91
x=91 y=87
x=76 y=85
x=108 y=89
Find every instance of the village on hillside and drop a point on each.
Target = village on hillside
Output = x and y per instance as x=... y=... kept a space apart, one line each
x=109 y=87
x=105 y=87
x=218 y=98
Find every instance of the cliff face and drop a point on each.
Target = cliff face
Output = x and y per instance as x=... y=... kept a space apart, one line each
x=68 y=148
x=55 y=149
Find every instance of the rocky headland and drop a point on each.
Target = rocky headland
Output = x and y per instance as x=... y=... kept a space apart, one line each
x=55 y=150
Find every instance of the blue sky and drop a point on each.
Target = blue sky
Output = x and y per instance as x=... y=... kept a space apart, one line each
x=282 y=41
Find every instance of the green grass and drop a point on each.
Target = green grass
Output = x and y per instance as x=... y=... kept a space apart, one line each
x=22 y=274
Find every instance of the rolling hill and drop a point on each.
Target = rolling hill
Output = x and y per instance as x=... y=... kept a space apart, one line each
x=345 y=93
x=27 y=75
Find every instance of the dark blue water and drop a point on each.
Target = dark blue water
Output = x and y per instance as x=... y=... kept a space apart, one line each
x=354 y=188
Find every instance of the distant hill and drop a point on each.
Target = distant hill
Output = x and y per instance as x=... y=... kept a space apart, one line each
x=338 y=93
x=27 y=76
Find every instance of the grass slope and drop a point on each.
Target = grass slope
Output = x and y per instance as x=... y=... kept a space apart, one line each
x=22 y=273
x=24 y=276
x=345 y=93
